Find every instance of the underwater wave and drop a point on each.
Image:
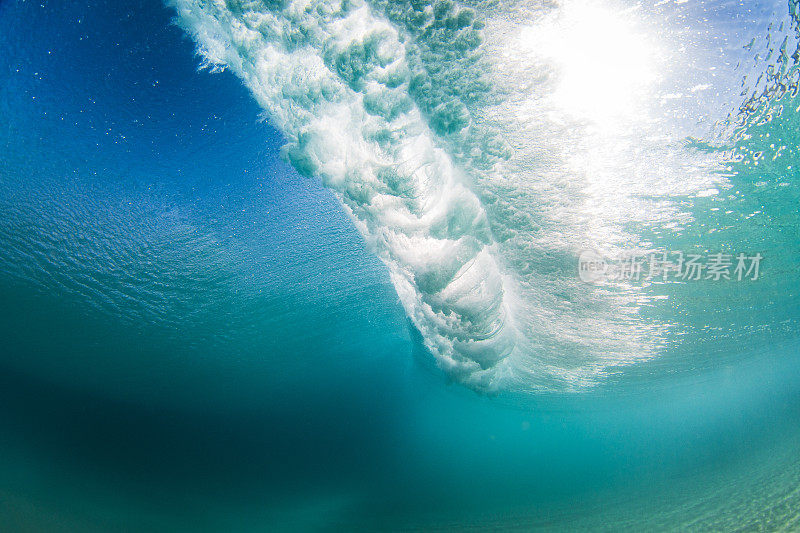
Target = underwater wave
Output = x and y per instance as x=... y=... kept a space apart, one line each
x=480 y=148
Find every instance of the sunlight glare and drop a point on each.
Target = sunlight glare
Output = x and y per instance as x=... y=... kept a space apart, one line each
x=605 y=63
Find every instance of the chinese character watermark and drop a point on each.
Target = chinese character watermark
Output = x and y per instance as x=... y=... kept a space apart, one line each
x=670 y=266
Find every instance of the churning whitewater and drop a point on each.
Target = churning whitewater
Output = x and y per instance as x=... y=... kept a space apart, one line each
x=480 y=149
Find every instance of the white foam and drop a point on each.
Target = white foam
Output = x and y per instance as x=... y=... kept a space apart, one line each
x=314 y=67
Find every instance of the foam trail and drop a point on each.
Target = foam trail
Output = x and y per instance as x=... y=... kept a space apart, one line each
x=334 y=78
x=478 y=164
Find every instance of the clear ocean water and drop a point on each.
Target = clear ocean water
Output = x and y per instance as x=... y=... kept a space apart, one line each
x=314 y=266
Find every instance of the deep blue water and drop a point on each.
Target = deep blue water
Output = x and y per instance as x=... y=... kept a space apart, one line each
x=194 y=336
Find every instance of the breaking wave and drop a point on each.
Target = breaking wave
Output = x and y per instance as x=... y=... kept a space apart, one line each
x=480 y=148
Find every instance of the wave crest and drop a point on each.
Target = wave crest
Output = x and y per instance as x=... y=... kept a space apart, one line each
x=335 y=78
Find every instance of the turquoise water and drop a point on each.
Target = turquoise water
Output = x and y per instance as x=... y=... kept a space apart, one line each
x=330 y=280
